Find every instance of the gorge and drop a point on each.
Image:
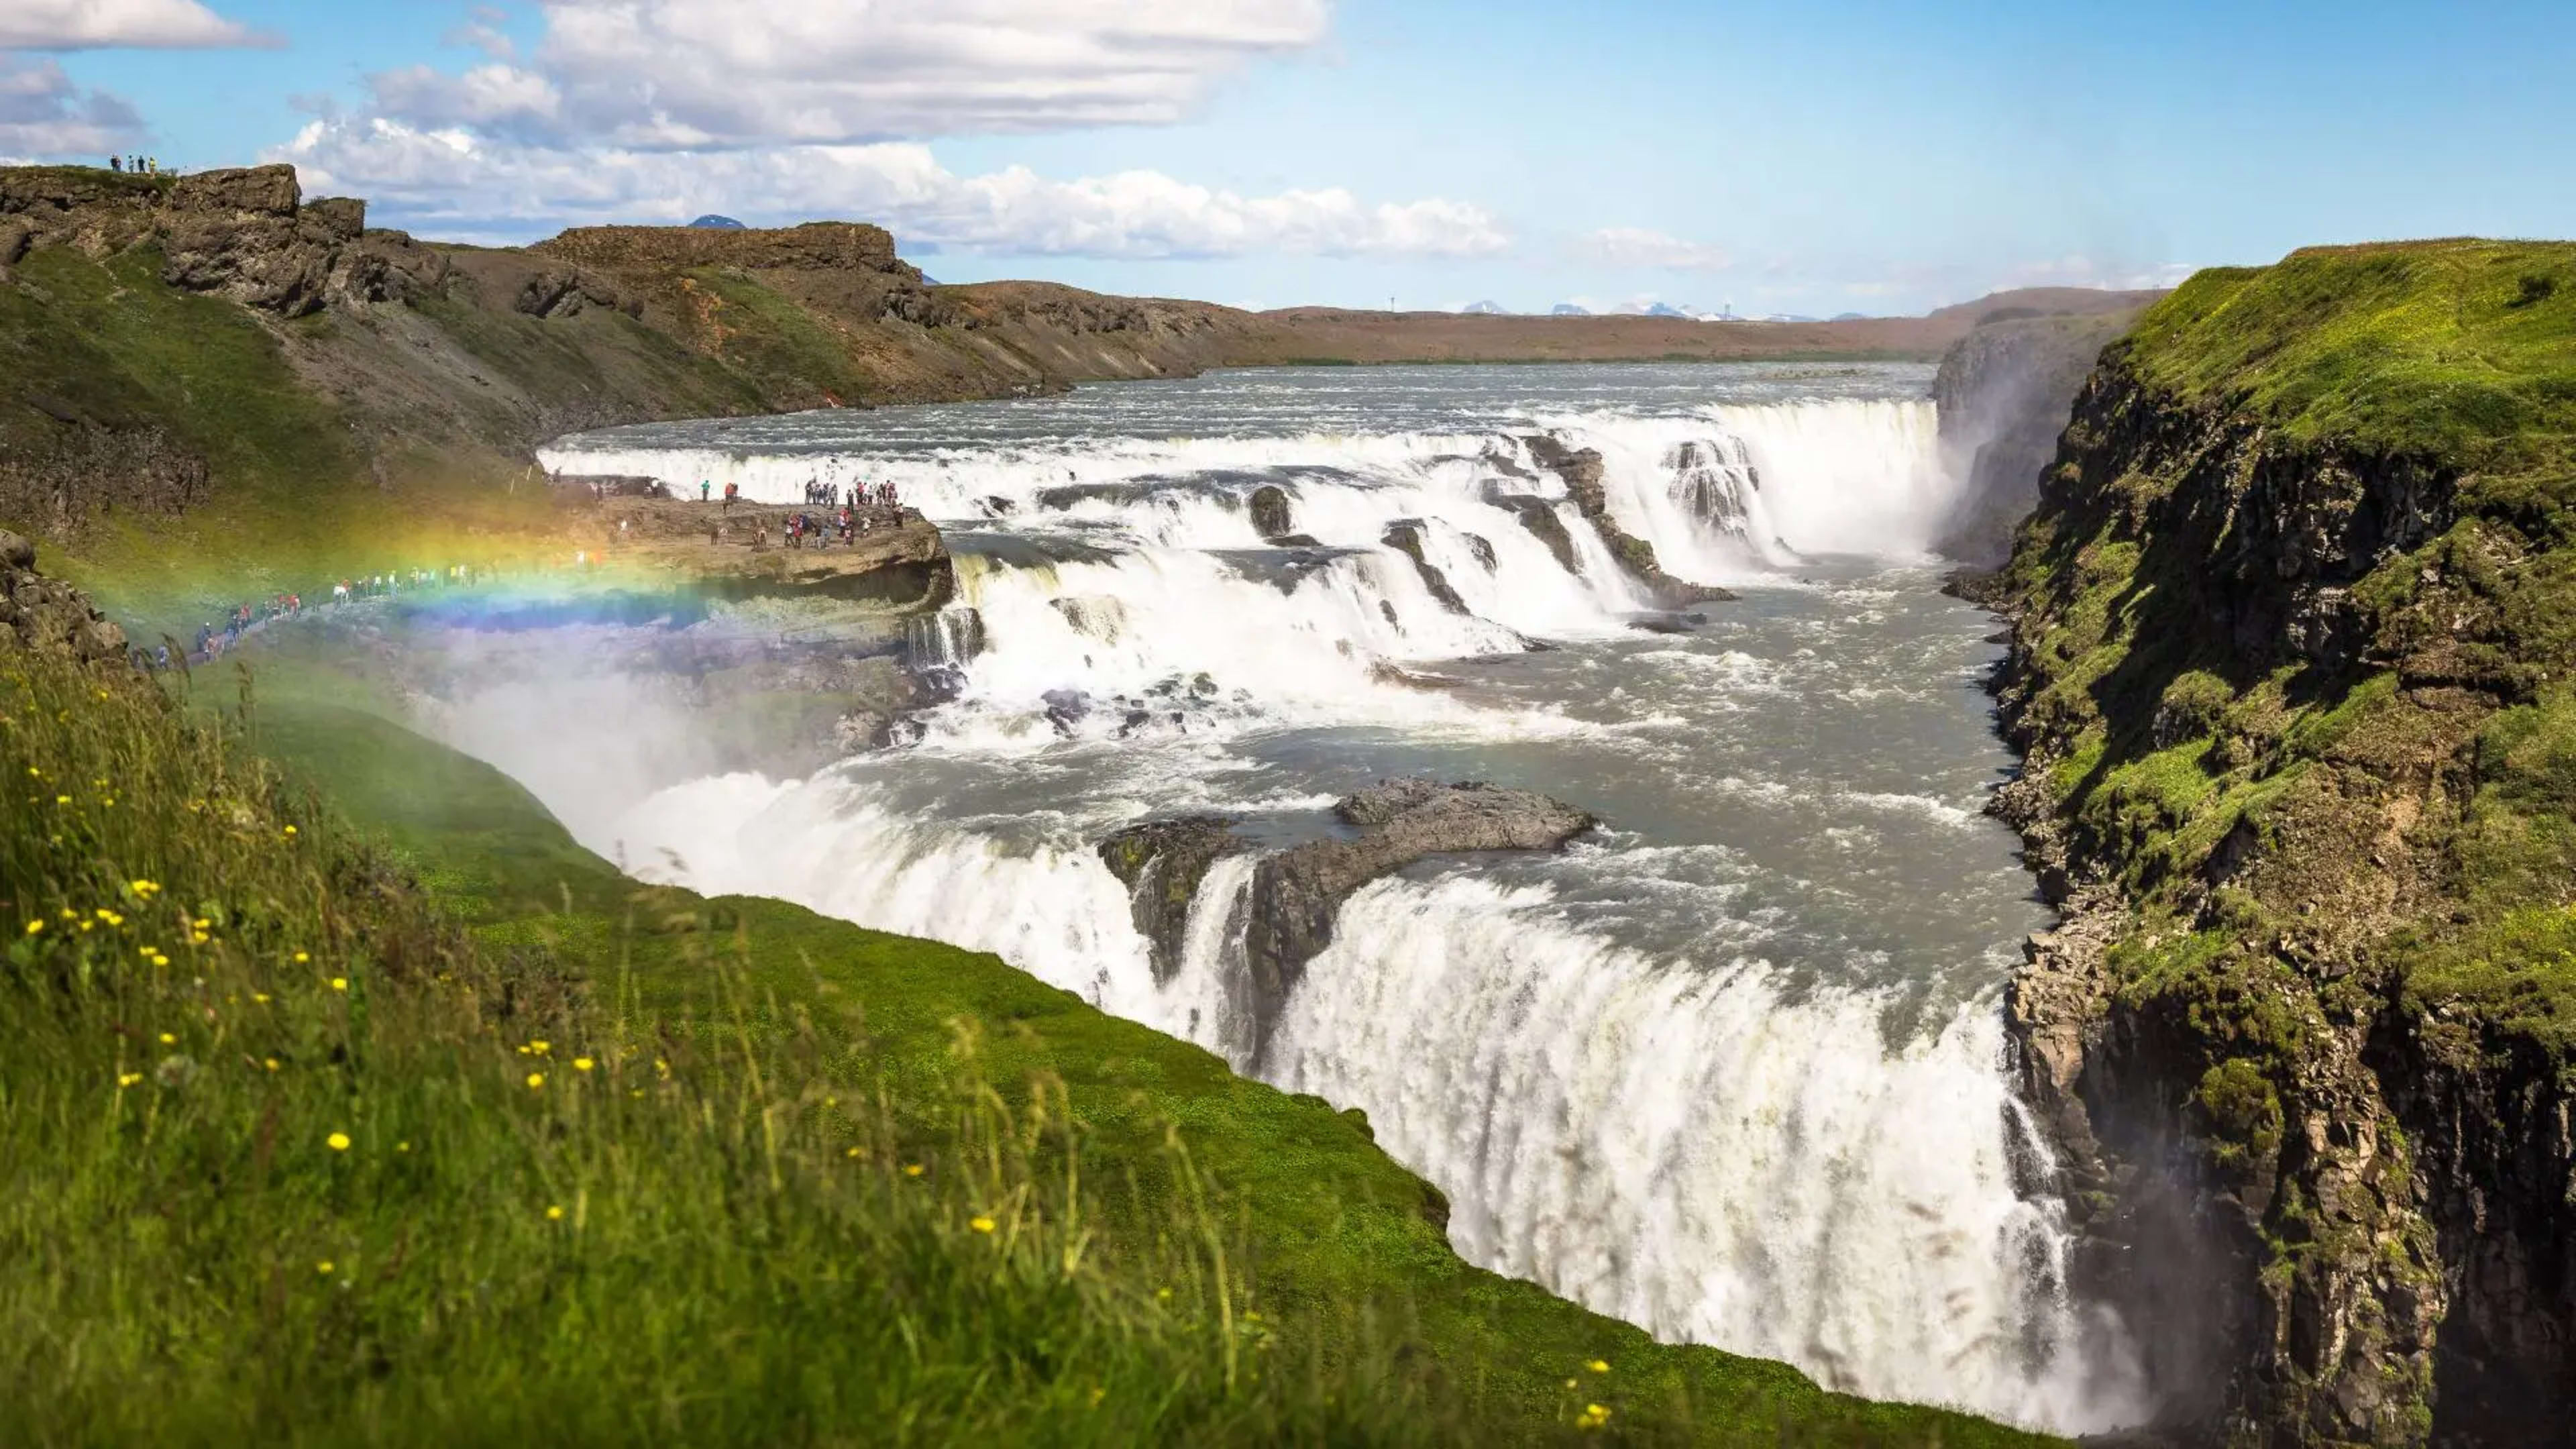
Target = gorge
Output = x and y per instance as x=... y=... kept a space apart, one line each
x=1572 y=775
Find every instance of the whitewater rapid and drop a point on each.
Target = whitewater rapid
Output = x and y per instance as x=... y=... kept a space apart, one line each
x=1730 y=1069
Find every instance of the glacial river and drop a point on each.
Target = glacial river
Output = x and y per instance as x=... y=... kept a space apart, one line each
x=1729 y=1068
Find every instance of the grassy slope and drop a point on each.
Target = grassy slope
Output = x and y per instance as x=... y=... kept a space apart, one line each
x=1338 y=1230
x=2443 y=361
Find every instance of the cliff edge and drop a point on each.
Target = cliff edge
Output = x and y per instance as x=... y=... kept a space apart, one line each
x=2292 y=668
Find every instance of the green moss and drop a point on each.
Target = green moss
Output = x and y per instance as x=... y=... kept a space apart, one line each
x=2462 y=349
x=2243 y=1112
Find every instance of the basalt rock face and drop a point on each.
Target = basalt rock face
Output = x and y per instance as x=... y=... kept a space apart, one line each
x=48 y=616
x=1294 y=894
x=246 y=234
x=2289 y=700
x=2004 y=393
x=1581 y=472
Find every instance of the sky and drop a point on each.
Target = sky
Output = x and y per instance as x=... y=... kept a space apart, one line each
x=1805 y=157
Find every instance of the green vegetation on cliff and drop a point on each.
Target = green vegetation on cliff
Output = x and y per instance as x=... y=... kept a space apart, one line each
x=445 y=1131
x=2294 y=650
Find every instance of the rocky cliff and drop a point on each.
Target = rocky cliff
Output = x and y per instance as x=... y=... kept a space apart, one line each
x=2004 y=392
x=2291 y=659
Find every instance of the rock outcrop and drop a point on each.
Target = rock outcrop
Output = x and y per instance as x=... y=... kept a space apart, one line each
x=1581 y=471
x=1294 y=894
x=1405 y=537
x=48 y=616
x=1274 y=520
x=1162 y=862
x=1538 y=517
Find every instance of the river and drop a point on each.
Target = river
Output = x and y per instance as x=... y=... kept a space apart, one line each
x=1730 y=1067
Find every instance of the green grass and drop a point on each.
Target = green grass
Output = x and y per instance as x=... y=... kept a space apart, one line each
x=743 y=1252
x=769 y=337
x=2460 y=349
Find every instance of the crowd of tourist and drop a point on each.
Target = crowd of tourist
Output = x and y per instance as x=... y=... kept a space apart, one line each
x=212 y=641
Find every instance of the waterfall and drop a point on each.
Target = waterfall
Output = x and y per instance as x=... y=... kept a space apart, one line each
x=1698 y=1121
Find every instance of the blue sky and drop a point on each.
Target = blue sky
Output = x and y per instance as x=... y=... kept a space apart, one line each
x=1814 y=158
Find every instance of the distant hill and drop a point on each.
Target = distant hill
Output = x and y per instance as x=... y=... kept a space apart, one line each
x=1568 y=309
x=1486 y=309
x=718 y=223
x=1667 y=309
x=2044 y=302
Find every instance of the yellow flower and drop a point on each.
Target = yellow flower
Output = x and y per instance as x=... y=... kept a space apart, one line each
x=402 y=1147
x=339 y=1141
x=339 y=983
x=852 y=1153
x=554 y=1214
x=34 y=926
x=62 y=799
x=1570 y=1383
x=128 y=1079
x=301 y=958
x=1592 y=1417
x=1598 y=1366
x=111 y=917
x=70 y=915
x=260 y=996
x=536 y=1080
x=912 y=1169
x=290 y=830
x=980 y=1223
x=322 y=1267
x=539 y=1047
x=270 y=1063
x=1097 y=1394
x=581 y=1064
x=198 y=938
x=168 y=1040
x=160 y=960
x=144 y=887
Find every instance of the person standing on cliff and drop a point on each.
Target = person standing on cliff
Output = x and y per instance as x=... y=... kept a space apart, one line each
x=702 y=490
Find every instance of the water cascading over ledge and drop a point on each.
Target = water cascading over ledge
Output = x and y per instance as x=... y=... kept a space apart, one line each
x=1728 y=1067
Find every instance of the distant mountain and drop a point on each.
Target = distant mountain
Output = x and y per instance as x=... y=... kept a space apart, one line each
x=719 y=223
x=1850 y=317
x=1486 y=309
x=1787 y=317
x=1667 y=309
x=1568 y=309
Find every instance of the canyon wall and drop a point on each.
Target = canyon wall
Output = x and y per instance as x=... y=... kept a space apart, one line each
x=2293 y=633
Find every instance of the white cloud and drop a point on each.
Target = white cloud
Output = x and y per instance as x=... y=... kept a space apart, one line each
x=94 y=24
x=453 y=181
x=715 y=74
x=1628 y=246
x=497 y=97
x=43 y=114
x=482 y=31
